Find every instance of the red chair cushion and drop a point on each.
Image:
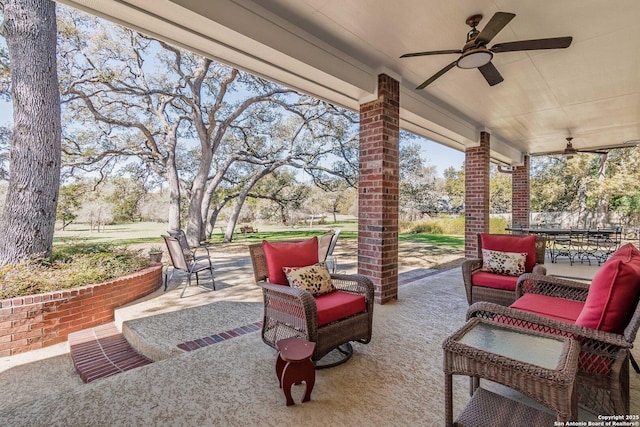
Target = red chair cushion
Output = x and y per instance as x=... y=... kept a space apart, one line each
x=509 y=243
x=493 y=280
x=560 y=309
x=613 y=293
x=288 y=254
x=338 y=305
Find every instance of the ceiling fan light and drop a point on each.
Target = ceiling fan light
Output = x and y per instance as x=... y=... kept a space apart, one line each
x=475 y=58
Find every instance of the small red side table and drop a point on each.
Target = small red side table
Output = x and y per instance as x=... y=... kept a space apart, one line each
x=294 y=366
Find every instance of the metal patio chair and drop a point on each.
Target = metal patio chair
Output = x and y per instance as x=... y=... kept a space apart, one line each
x=190 y=265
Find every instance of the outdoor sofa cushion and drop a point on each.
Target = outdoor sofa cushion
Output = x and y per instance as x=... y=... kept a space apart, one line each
x=338 y=305
x=560 y=309
x=493 y=280
x=614 y=292
x=288 y=254
x=510 y=243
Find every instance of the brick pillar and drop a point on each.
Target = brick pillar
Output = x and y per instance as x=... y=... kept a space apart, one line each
x=378 y=190
x=476 y=194
x=520 y=194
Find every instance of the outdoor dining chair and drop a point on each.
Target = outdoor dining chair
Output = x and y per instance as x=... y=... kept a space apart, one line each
x=189 y=252
x=190 y=265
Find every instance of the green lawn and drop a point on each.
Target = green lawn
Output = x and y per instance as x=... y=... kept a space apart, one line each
x=149 y=233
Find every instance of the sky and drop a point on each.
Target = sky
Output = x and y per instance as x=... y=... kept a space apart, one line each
x=440 y=156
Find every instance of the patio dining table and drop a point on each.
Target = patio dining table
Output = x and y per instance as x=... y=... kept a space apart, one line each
x=577 y=243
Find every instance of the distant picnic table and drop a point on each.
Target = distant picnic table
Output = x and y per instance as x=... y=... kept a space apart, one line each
x=246 y=229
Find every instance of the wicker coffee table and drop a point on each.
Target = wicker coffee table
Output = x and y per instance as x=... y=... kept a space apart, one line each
x=541 y=366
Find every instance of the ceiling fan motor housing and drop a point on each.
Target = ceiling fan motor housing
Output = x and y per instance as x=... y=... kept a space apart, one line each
x=474 y=58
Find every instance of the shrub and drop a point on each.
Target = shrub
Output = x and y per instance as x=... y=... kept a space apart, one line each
x=452 y=225
x=70 y=266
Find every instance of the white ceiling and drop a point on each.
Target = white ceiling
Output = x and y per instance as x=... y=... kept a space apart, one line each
x=334 y=49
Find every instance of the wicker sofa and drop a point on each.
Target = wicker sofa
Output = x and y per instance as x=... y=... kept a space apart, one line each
x=570 y=309
x=481 y=285
x=293 y=312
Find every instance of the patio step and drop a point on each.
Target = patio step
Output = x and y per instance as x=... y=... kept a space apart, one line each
x=101 y=352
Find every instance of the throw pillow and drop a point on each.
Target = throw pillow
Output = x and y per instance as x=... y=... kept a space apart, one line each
x=509 y=243
x=289 y=254
x=613 y=293
x=505 y=263
x=313 y=278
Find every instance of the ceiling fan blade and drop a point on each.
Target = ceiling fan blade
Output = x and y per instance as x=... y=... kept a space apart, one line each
x=436 y=75
x=493 y=27
x=554 y=43
x=491 y=74
x=594 y=151
x=433 y=52
x=548 y=153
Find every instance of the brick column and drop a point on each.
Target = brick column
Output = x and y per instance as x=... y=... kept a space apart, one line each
x=476 y=194
x=378 y=190
x=520 y=194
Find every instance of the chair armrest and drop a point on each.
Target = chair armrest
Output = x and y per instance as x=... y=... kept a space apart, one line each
x=354 y=283
x=551 y=286
x=293 y=306
x=201 y=249
x=539 y=269
x=470 y=266
x=605 y=344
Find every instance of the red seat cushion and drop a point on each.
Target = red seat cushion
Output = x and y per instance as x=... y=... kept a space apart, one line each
x=560 y=309
x=338 y=305
x=495 y=281
x=509 y=243
x=288 y=254
x=614 y=292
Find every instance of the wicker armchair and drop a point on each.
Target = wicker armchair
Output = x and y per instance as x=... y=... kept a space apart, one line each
x=603 y=367
x=490 y=294
x=292 y=312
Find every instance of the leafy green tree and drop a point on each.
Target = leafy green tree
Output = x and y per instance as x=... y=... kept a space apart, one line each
x=126 y=197
x=70 y=200
x=453 y=186
x=499 y=191
x=420 y=190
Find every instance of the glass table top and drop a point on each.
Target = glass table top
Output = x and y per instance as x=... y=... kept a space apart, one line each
x=520 y=346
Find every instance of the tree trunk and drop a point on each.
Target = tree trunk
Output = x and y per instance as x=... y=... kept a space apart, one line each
x=233 y=219
x=194 y=215
x=174 y=192
x=29 y=215
x=602 y=202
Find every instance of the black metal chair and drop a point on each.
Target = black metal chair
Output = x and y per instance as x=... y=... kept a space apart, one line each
x=188 y=264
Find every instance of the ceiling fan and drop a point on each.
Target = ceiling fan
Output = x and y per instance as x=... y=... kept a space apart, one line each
x=569 y=151
x=475 y=54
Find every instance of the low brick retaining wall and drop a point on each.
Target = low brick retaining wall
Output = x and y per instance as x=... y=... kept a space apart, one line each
x=35 y=321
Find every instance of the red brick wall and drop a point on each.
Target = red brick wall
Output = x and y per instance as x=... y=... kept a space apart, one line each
x=378 y=190
x=520 y=190
x=28 y=323
x=476 y=199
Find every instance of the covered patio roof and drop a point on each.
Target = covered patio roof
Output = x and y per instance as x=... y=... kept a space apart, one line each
x=335 y=50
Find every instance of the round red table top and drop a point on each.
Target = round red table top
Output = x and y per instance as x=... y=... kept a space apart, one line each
x=295 y=349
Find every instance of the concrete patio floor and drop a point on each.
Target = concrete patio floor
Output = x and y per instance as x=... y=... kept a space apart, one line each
x=156 y=324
